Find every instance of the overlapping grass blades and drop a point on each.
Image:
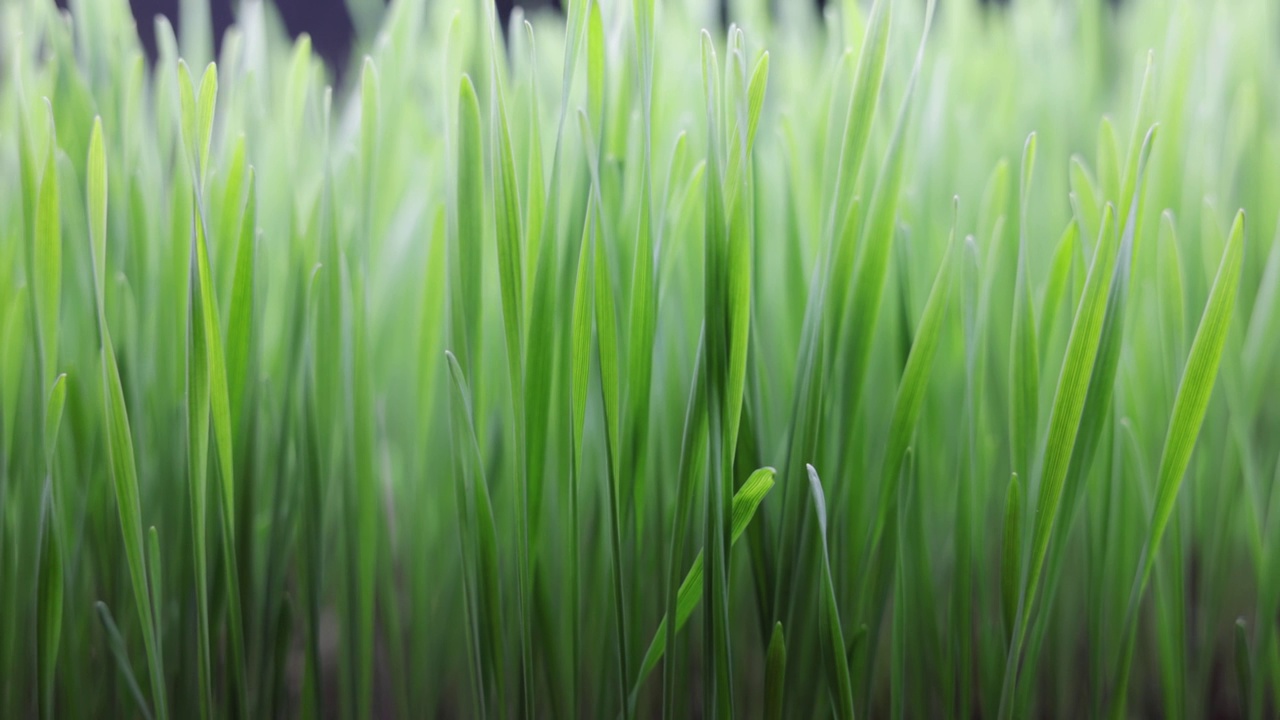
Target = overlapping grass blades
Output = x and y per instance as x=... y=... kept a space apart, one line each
x=444 y=378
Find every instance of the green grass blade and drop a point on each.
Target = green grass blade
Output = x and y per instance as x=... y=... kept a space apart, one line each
x=1070 y=403
x=745 y=503
x=871 y=269
x=830 y=634
x=510 y=250
x=1189 y=408
x=1011 y=549
x=47 y=265
x=49 y=597
x=1244 y=667
x=121 y=656
x=470 y=198
x=125 y=481
x=911 y=391
x=481 y=545
x=197 y=466
x=863 y=98
x=775 y=674
x=240 y=335
x=693 y=450
x=607 y=355
x=96 y=192
x=1024 y=360
x=579 y=382
x=595 y=67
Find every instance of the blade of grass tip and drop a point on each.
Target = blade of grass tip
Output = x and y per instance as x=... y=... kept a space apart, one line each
x=882 y=539
x=96 y=192
x=862 y=106
x=1108 y=160
x=241 y=363
x=716 y=638
x=240 y=323
x=595 y=69
x=775 y=674
x=579 y=379
x=49 y=593
x=1088 y=201
x=830 y=634
x=1068 y=414
x=1011 y=550
x=1244 y=668
x=230 y=210
x=745 y=503
x=1189 y=407
x=864 y=301
x=488 y=590
x=642 y=304
x=1064 y=423
x=215 y=401
x=740 y=249
x=911 y=389
x=116 y=643
x=1130 y=179
x=197 y=426
x=466 y=550
x=124 y=478
x=470 y=198
x=53 y=406
x=308 y=311
x=46 y=258
x=284 y=632
x=1098 y=399
x=206 y=99
x=157 y=581
x=1024 y=361
x=693 y=450
x=1056 y=291
x=121 y=463
x=607 y=356
x=539 y=302
x=961 y=689
x=370 y=129
x=365 y=510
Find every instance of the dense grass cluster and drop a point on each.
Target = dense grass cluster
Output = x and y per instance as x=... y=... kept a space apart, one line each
x=916 y=361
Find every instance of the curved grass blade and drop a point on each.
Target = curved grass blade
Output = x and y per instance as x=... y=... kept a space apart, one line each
x=121 y=466
x=480 y=545
x=1065 y=420
x=745 y=504
x=911 y=390
x=116 y=643
x=1189 y=408
x=830 y=634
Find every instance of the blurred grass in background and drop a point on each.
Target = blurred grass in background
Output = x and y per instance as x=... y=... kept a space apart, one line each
x=920 y=370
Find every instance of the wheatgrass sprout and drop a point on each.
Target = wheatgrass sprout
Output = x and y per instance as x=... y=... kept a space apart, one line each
x=598 y=359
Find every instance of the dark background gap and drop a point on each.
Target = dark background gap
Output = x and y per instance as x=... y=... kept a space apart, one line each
x=327 y=21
